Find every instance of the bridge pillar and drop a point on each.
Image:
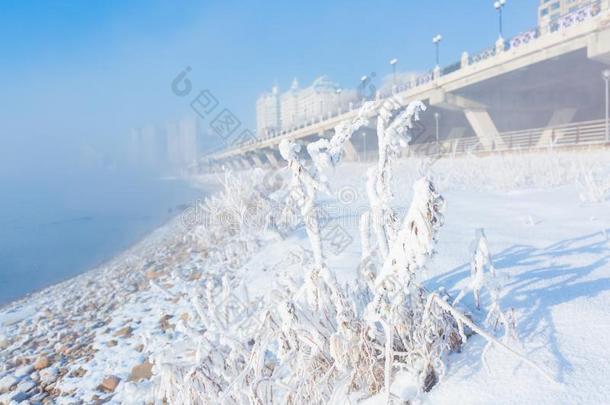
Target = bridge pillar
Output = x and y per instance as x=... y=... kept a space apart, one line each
x=351 y=155
x=256 y=159
x=247 y=163
x=240 y=164
x=484 y=128
x=271 y=158
x=232 y=164
x=559 y=117
x=223 y=165
x=226 y=163
x=476 y=114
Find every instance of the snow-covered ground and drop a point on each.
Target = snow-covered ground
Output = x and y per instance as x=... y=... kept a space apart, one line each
x=547 y=220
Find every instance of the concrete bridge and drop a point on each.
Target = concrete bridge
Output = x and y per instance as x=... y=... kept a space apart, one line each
x=538 y=83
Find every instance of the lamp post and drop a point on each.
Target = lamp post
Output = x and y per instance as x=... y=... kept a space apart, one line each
x=436 y=118
x=437 y=40
x=606 y=76
x=499 y=5
x=364 y=145
x=363 y=81
x=393 y=62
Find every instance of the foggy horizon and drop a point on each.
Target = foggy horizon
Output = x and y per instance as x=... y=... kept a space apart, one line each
x=79 y=77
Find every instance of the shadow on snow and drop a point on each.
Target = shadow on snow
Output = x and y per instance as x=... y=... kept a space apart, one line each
x=540 y=279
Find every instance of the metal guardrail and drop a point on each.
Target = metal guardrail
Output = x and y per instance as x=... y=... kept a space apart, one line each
x=586 y=133
x=579 y=134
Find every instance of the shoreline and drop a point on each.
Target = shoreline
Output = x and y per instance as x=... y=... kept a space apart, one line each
x=98 y=267
x=175 y=213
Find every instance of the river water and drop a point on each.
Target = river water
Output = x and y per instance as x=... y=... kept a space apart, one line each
x=55 y=229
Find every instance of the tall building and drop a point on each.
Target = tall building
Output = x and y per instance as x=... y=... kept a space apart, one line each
x=289 y=106
x=296 y=106
x=151 y=148
x=268 y=112
x=319 y=99
x=171 y=148
x=181 y=144
x=550 y=10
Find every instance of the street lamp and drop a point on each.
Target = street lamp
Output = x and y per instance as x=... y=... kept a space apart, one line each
x=436 y=118
x=606 y=76
x=363 y=81
x=364 y=145
x=499 y=5
x=437 y=40
x=393 y=62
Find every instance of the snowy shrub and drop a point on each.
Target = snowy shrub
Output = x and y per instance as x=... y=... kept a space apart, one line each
x=594 y=184
x=311 y=339
x=482 y=271
x=516 y=171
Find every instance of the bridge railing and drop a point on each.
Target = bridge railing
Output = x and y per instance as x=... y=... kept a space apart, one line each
x=523 y=38
x=586 y=133
x=584 y=12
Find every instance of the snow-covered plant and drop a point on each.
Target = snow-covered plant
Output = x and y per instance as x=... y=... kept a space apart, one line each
x=211 y=345
x=414 y=323
x=399 y=302
x=304 y=187
x=594 y=186
x=518 y=170
x=392 y=128
x=311 y=339
x=483 y=276
x=482 y=271
x=228 y=225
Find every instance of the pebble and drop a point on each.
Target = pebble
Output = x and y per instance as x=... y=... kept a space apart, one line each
x=24 y=370
x=141 y=371
x=124 y=332
x=6 y=398
x=48 y=375
x=7 y=382
x=41 y=362
x=25 y=385
x=109 y=383
x=4 y=342
x=74 y=320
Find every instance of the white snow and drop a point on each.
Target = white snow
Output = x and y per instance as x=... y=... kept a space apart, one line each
x=552 y=245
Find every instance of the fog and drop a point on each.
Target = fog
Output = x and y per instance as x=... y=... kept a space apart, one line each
x=77 y=77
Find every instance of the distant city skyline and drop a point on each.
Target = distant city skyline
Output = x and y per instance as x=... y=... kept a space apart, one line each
x=169 y=148
x=277 y=110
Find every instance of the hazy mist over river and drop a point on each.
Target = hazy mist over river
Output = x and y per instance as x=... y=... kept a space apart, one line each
x=52 y=228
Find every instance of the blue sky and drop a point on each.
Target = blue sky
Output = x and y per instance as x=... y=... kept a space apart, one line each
x=82 y=73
